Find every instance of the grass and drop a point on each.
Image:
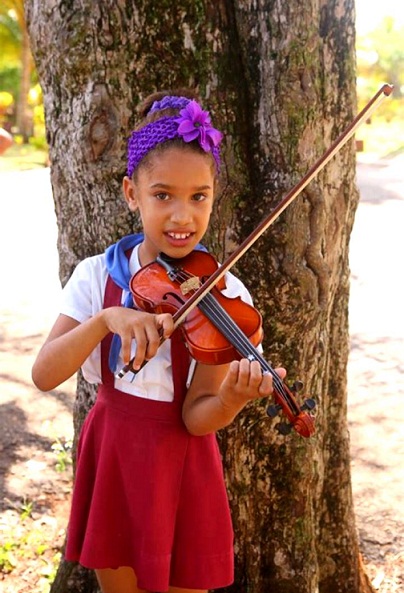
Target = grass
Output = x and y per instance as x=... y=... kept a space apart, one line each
x=382 y=138
x=24 y=541
x=63 y=450
x=29 y=546
x=21 y=157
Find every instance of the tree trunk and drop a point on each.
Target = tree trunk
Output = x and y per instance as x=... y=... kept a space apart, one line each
x=280 y=79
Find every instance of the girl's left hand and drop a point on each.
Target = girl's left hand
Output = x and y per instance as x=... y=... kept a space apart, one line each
x=245 y=382
x=218 y=393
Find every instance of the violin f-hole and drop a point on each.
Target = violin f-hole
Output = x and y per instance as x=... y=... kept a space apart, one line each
x=175 y=296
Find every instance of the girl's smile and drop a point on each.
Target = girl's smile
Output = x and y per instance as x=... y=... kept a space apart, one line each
x=174 y=196
x=178 y=239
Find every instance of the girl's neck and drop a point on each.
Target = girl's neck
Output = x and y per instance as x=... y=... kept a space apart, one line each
x=145 y=254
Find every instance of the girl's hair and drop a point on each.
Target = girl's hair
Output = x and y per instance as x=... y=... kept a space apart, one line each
x=172 y=119
x=145 y=106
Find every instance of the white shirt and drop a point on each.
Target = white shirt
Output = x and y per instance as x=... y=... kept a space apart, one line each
x=83 y=297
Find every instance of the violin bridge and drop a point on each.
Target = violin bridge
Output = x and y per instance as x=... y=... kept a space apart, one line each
x=190 y=284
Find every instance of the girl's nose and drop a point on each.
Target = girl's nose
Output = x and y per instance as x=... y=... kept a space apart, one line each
x=181 y=214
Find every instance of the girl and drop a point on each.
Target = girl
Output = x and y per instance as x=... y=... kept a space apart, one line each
x=149 y=509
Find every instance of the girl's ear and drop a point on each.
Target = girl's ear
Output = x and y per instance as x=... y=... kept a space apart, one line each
x=129 y=192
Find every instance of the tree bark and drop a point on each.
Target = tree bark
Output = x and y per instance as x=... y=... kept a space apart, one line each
x=280 y=81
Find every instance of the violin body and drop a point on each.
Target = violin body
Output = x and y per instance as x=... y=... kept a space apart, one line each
x=153 y=291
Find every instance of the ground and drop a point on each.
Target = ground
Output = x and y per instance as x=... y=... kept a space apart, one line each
x=35 y=428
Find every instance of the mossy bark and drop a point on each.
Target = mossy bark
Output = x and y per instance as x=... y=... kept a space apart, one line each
x=279 y=78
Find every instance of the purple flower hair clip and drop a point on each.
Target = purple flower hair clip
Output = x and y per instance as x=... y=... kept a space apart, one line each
x=192 y=123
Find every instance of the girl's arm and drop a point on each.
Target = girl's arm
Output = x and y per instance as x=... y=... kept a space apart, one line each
x=218 y=393
x=70 y=342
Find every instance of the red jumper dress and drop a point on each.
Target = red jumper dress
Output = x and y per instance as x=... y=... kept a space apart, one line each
x=148 y=494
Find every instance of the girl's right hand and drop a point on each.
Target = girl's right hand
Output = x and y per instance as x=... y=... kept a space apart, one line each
x=146 y=329
x=70 y=343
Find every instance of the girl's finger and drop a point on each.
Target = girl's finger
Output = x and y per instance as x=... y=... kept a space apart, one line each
x=126 y=341
x=281 y=372
x=243 y=374
x=165 y=322
x=140 y=337
x=266 y=385
x=255 y=374
x=232 y=374
x=153 y=338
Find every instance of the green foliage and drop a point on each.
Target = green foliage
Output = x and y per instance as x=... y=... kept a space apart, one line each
x=26 y=509
x=63 y=450
x=10 y=78
x=10 y=38
x=24 y=540
x=22 y=545
x=13 y=542
x=380 y=58
x=7 y=556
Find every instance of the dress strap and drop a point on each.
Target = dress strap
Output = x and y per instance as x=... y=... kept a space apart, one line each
x=112 y=298
x=181 y=361
x=179 y=353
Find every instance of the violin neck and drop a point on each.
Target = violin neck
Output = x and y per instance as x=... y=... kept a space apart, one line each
x=218 y=315
x=214 y=311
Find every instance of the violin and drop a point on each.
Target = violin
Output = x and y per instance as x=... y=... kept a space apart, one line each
x=200 y=293
x=220 y=329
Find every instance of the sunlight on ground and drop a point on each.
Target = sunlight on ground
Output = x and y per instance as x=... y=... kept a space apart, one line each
x=381 y=138
x=21 y=158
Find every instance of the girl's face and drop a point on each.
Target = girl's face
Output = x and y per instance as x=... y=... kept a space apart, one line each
x=174 y=195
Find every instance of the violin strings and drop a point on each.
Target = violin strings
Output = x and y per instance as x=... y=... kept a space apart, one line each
x=219 y=317
x=238 y=339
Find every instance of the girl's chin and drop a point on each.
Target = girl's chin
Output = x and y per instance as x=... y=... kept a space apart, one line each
x=180 y=244
x=175 y=248
x=178 y=248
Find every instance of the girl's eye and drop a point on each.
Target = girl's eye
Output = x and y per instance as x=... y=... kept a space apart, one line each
x=199 y=197
x=162 y=196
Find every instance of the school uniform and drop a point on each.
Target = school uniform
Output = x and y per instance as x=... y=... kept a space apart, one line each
x=147 y=493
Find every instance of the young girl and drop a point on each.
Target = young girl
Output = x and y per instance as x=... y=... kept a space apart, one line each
x=149 y=510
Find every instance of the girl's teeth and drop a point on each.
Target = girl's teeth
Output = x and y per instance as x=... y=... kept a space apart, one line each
x=179 y=235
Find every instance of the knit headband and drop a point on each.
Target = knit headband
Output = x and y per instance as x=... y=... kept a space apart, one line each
x=192 y=123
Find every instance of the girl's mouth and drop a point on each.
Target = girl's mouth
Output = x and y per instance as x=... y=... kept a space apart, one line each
x=178 y=239
x=179 y=236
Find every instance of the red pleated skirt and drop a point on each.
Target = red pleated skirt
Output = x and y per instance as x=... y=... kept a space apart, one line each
x=149 y=495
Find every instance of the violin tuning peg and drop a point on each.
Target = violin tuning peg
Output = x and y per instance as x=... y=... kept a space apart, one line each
x=297 y=386
x=309 y=404
x=273 y=410
x=284 y=428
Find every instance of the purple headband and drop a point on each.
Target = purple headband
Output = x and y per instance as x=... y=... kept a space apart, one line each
x=192 y=124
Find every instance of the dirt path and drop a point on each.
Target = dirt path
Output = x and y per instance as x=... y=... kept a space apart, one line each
x=35 y=497
x=376 y=369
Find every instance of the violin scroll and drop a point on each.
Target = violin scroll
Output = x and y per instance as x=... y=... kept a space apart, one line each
x=302 y=422
x=299 y=417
